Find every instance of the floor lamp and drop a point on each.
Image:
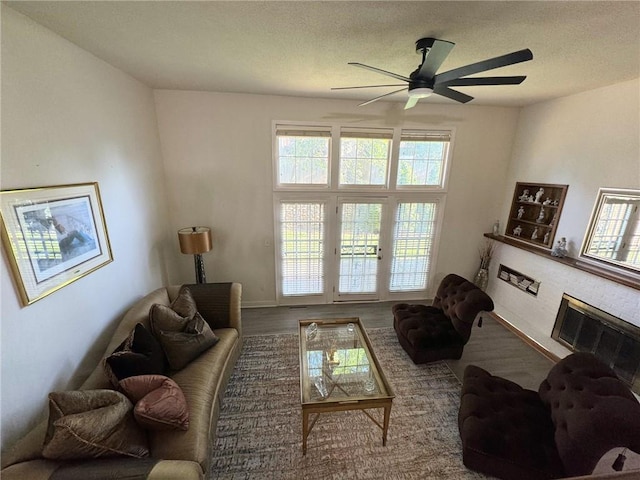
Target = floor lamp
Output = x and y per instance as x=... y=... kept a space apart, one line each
x=196 y=241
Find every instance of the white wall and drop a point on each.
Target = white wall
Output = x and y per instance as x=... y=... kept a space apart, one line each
x=588 y=140
x=217 y=153
x=68 y=117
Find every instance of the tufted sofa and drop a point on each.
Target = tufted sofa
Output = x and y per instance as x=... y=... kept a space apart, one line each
x=174 y=454
x=430 y=333
x=580 y=412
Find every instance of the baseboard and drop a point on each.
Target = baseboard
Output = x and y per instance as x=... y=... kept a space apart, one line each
x=258 y=304
x=525 y=338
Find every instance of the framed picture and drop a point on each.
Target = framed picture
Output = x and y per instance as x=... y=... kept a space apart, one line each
x=53 y=236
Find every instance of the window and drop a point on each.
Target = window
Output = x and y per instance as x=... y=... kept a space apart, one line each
x=302 y=248
x=414 y=237
x=303 y=155
x=617 y=232
x=422 y=158
x=364 y=157
x=357 y=211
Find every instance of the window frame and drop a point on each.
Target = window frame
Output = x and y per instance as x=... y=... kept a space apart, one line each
x=329 y=194
x=390 y=185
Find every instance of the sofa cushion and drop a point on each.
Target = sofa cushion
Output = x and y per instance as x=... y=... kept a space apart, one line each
x=92 y=424
x=159 y=402
x=139 y=354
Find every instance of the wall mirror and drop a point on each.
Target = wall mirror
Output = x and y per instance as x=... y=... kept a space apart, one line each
x=613 y=237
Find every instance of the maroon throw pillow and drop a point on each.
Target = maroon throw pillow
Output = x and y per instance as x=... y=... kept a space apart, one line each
x=160 y=403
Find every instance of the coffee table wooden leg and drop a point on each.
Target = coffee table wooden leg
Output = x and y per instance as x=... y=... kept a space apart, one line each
x=385 y=428
x=305 y=431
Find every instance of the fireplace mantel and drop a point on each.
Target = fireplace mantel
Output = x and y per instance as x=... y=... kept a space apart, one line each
x=620 y=278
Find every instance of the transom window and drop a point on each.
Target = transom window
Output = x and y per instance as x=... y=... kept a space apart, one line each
x=364 y=157
x=422 y=158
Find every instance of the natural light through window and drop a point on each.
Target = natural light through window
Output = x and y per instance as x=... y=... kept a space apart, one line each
x=413 y=242
x=357 y=210
x=303 y=157
x=364 y=158
x=302 y=252
x=422 y=159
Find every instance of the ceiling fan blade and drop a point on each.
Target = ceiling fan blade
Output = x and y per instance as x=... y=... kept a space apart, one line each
x=437 y=54
x=483 y=66
x=411 y=103
x=452 y=94
x=368 y=86
x=469 y=82
x=379 y=97
x=378 y=70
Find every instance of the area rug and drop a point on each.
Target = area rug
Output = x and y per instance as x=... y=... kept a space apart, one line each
x=259 y=433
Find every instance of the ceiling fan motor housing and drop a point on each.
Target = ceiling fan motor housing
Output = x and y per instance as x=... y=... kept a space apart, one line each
x=424 y=43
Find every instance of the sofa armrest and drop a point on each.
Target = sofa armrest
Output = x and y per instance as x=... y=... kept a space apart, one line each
x=218 y=303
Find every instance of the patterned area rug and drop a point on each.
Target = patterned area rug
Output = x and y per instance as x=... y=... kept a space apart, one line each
x=260 y=425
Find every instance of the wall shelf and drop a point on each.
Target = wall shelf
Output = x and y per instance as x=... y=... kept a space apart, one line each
x=519 y=280
x=535 y=212
x=620 y=278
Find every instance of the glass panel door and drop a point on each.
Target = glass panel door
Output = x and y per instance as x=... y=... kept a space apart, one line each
x=359 y=249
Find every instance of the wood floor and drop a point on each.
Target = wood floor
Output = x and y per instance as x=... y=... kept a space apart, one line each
x=492 y=347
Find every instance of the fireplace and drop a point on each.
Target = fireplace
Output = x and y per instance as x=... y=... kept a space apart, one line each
x=584 y=328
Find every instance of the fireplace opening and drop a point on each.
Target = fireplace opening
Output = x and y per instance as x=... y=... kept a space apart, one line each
x=584 y=328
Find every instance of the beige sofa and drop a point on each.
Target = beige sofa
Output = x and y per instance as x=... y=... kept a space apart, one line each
x=174 y=454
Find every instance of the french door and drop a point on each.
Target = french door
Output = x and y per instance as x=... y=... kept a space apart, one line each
x=339 y=248
x=360 y=248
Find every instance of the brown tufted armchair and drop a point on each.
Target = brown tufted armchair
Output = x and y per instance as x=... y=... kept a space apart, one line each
x=430 y=333
x=580 y=412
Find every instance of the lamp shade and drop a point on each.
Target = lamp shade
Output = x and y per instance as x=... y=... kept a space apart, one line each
x=195 y=240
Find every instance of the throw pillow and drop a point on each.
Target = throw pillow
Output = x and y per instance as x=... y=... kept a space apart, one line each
x=139 y=354
x=173 y=318
x=184 y=345
x=92 y=424
x=159 y=402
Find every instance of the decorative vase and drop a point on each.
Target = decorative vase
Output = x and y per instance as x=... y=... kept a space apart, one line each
x=482 y=279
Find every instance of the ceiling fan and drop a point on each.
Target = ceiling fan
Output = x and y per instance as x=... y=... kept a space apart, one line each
x=424 y=81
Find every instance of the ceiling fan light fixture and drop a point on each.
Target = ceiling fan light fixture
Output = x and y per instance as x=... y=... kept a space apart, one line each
x=420 y=92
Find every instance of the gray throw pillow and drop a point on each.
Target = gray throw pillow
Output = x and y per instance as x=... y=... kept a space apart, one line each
x=183 y=346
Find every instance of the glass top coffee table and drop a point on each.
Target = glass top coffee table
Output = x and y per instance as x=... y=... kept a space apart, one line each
x=339 y=371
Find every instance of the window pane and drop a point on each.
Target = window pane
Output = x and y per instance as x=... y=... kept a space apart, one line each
x=613 y=238
x=364 y=161
x=359 y=241
x=302 y=251
x=303 y=160
x=412 y=246
x=421 y=162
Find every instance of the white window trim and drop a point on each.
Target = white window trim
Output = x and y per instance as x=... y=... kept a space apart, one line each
x=329 y=195
x=334 y=160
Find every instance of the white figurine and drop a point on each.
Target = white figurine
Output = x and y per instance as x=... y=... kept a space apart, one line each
x=547 y=201
x=525 y=196
x=517 y=231
x=520 y=212
x=530 y=198
x=539 y=195
x=560 y=250
x=540 y=218
x=534 y=235
x=546 y=237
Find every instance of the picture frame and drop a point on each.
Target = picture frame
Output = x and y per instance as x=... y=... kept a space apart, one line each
x=53 y=236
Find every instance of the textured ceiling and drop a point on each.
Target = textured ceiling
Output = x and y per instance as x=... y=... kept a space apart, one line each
x=302 y=48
